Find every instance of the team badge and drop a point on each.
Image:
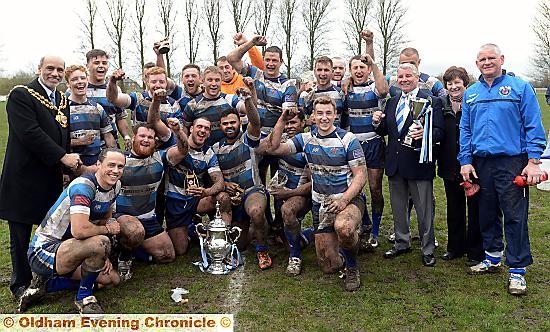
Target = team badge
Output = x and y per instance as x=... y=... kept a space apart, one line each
x=357 y=153
x=333 y=150
x=97 y=207
x=504 y=90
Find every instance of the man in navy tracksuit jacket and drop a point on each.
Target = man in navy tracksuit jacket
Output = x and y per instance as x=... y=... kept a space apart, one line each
x=501 y=136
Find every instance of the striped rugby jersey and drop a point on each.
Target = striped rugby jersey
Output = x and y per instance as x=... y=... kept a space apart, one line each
x=272 y=93
x=362 y=101
x=330 y=159
x=211 y=109
x=98 y=93
x=88 y=118
x=140 y=103
x=182 y=97
x=238 y=161
x=140 y=181
x=334 y=93
x=82 y=196
x=199 y=161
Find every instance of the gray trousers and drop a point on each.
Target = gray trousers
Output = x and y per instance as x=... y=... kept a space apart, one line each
x=421 y=192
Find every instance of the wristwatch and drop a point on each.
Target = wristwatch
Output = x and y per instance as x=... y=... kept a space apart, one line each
x=535 y=161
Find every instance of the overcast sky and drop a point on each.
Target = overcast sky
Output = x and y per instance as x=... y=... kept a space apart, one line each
x=445 y=32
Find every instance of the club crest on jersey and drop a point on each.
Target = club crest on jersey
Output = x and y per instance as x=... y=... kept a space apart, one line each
x=504 y=90
x=333 y=150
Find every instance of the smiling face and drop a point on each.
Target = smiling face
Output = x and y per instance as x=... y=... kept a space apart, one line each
x=324 y=118
x=323 y=74
x=359 y=71
x=273 y=63
x=455 y=88
x=51 y=71
x=339 y=67
x=191 y=80
x=199 y=132
x=489 y=62
x=407 y=80
x=155 y=82
x=78 y=83
x=143 y=144
x=227 y=71
x=110 y=170
x=98 y=67
x=294 y=126
x=231 y=126
x=212 y=84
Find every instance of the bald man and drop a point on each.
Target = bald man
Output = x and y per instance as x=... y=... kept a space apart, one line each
x=35 y=160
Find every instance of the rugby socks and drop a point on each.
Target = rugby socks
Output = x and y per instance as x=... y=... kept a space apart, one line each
x=376 y=218
x=142 y=254
x=57 y=284
x=293 y=236
x=350 y=257
x=365 y=221
x=307 y=237
x=493 y=257
x=517 y=270
x=87 y=281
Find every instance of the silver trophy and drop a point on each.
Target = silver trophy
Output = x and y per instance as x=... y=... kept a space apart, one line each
x=418 y=108
x=218 y=240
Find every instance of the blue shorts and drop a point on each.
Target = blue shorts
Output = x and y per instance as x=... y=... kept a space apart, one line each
x=374 y=151
x=89 y=160
x=42 y=259
x=180 y=212
x=359 y=201
x=239 y=212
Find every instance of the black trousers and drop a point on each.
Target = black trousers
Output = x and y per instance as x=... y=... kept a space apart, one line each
x=20 y=236
x=463 y=239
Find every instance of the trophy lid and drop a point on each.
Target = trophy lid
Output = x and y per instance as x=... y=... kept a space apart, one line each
x=218 y=221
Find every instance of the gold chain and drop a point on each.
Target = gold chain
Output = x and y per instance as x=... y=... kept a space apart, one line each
x=60 y=117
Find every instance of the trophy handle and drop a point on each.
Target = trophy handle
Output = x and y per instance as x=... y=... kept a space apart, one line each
x=200 y=229
x=234 y=230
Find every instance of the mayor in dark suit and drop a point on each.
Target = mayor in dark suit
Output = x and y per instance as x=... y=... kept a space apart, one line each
x=406 y=175
x=36 y=153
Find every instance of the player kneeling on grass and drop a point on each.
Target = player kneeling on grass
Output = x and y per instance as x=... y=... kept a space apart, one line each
x=72 y=242
x=338 y=174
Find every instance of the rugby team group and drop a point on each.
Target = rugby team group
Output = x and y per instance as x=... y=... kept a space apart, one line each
x=211 y=140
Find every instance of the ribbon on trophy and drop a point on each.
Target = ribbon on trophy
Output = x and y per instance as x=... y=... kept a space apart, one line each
x=426 y=151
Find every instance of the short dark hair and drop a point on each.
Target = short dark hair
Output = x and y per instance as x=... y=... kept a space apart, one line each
x=222 y=58
x=274 y=49
x=324 y=100
x=95 y=53
x=104 y=152
x=191 y=65
x=456 y=72
x=409 y=51
x=323 y=59
x=144 y=125
x=230 y=111
x=355 y=57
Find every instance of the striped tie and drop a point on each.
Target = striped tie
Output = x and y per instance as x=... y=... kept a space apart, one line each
x=52 y=98
x=400 y=113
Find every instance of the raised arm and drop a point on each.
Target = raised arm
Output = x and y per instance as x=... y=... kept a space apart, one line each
x=116 y=97
x=175 y=154
x=153 y=114
x=235 y=57
x=248 y=93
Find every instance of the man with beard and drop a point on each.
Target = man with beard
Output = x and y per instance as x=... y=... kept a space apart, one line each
x=239 y=164
x=70 y=248
x=293 y=197
x=211 y=104
x=139 y=103
x=363 y=99
x=142 y=177
x=89 y=123
x=338 y=173
x=97 y=62
x=324 y=74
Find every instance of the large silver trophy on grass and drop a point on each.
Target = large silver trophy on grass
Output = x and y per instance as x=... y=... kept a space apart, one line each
x=418 y=108
x=218 y=243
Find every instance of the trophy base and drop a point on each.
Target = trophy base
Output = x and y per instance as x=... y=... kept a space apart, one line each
x=217 y=268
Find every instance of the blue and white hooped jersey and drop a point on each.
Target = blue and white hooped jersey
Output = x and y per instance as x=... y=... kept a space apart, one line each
x=272 y=93
x=212 y=110
x=238 y=161
x=182 y=97
x=293 y=166
x=140 y=181
x=427 y=84
x=334 y=93
x=98 y=93
x=330 y=159
x=88 y=118
x=362 y=101
x=199 y=162
x=82 y=196
x=140 y=103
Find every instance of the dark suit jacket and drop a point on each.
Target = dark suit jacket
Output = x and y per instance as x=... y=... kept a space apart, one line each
x=402 y=160
x=32 y=177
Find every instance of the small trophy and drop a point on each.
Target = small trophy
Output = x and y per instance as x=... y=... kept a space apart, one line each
x=418 y=107
x=191 y=180
x=164 y=46
x=278 y=181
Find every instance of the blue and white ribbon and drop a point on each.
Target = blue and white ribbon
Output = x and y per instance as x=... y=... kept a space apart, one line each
x=426 y=153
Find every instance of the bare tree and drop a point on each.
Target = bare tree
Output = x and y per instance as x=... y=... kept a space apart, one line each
x=262 y=12
x=286 y=22
x=116 y=25
x=88 y=24
x=390 y=15
x=357 y=21
x=193 y=29
x=314 y=14
x=540 y=60
x=240 y=10
x=139 y=32
x=212 y=14
x=167 y=13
